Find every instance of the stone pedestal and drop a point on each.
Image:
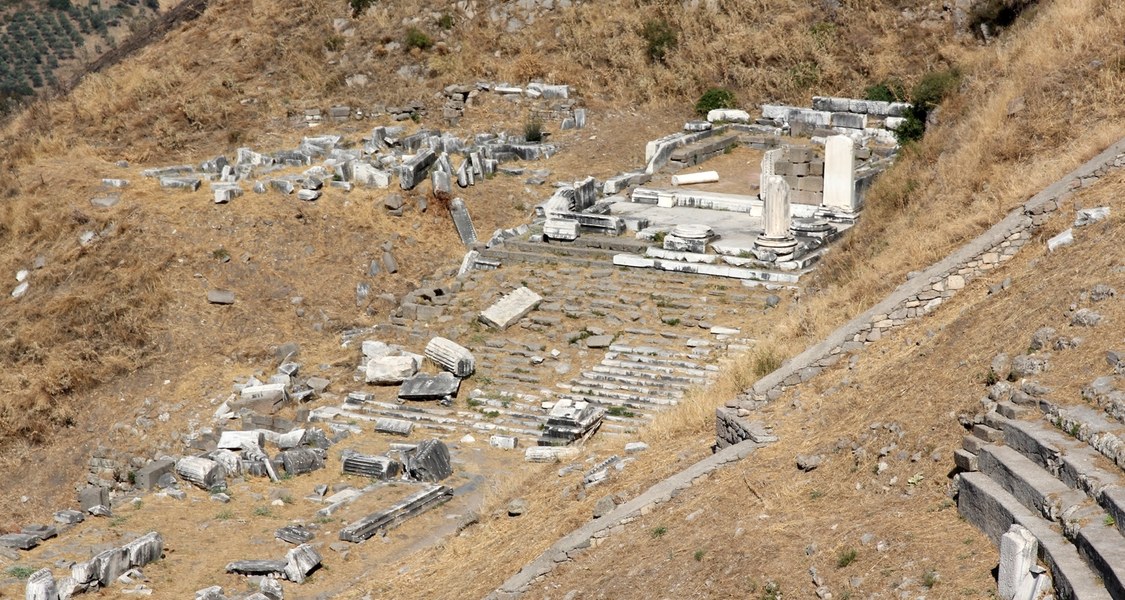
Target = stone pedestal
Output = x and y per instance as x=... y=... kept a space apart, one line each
x=839 y=177
x=776 y=238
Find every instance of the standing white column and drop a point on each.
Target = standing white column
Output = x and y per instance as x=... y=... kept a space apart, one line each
x=839 y=175
x=768 y=158
x=775 y=216
x=776 y=210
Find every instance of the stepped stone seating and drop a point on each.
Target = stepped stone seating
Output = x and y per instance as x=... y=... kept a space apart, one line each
x=1020 y=467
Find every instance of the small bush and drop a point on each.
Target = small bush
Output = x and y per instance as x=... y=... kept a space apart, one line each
x=845 y=557
x=766 y=361
x=334 y=43
x=533 y=131
x=930 y=579
x=890 y=90
x=659 y=38
x=416 y=38
x=699 y=555
x=714 y=98
x=263 y=511
x=620 y=411
x=20 y=572
x=446 y=21
x=771 y=591
x=658 y=532
x=924 y=98
x=359 y=6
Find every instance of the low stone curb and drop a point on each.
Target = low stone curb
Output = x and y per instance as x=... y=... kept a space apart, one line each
x=592 y=534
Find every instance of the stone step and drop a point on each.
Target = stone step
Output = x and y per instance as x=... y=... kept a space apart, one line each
x=560 y=249
x=626 y=395
x=1081 y=519
x=652 y=367
x=505 y=256
x=685 y=366
x=993 y=510
x=1075 y=463
x=654 y=385
x=634 y=406
x=1035 y=488
x=451 y=420
x=1091 y=426
x=633 y=388
x=659 y=352
x=648 y=376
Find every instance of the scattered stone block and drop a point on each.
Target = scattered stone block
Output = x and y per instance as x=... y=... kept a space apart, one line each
x=1087 y=216
x=144 y=550
x=257 y=567
x=1018 y=551
x=451 y=356
x=635 y=447
x=599 y=341
x=728 y=115
x=517 y=507
x=299 y=461
x=390 y=369
x=570 y=421
x=308 y=195
x=375 y=467
x=566 y=230
x=394 y=426
x=511 y=308
x=463 y=222
x=43 y=532
x=384 y=520
x=415 y=168
x=19 y=541
x=1065 y=238
x=69 y=517
x=429 y=461
x=429 y=387
x=202 y=472
x=93 y=495
x=241 y=440
x=294 y=534
x=41 y=586
x=105 y=201
x=180 y=183
x=549 y=454
x=220 y=297
x=503 y=442
x=264 y=399
x=300 y=562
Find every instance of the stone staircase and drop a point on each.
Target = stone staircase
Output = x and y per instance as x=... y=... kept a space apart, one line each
x=632 y=342
x=587 y=251
x=1058 y=475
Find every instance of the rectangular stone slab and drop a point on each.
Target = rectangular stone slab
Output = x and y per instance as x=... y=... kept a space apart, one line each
x=394 y=426
x=383 y=520
x=294 y=534
x=19 y=541
x=511 y=308
x=256 y=567
x=429 y=387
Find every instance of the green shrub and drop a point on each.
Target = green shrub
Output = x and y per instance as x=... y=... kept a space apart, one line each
x=416 y=38
x=924 y=98
x=714 y=98
x=359 y=6
x=888 y=90
x=446 y=21
x=659 y=38
x=20 y=572
x=846 y=557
